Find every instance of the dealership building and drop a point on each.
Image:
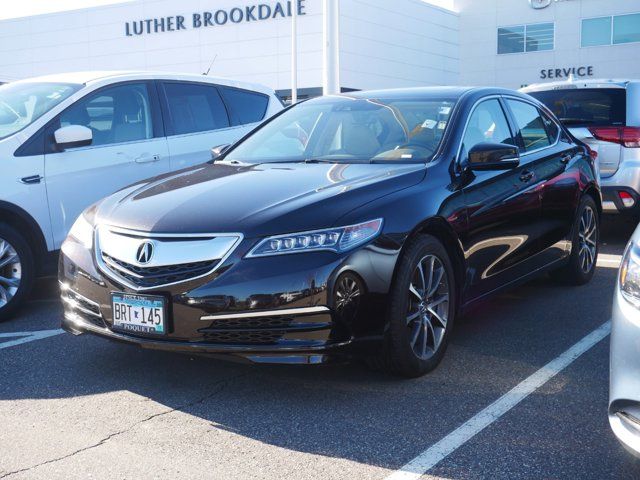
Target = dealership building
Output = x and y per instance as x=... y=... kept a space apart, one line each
x=340 y=44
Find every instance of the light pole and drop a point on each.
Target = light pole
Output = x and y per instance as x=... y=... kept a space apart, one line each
x=294 y=51
x=331 y=48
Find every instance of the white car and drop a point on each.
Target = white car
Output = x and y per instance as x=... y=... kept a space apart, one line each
x=604 y=114
x=68 y=140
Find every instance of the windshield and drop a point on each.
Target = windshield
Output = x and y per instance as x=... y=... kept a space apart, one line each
x=23 y=103
x=582 y=107
x=348 y=130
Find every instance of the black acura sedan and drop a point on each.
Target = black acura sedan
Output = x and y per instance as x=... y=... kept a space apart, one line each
x=352 y=225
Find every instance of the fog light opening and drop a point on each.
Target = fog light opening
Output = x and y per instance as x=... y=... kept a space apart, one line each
x=347 y=296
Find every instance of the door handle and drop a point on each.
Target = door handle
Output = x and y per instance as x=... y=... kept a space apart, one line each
x=31 y=180
x=566 y=158
x=146 y=158
x=526 y=176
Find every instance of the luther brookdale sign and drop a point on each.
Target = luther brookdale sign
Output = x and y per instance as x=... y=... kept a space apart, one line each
x=245 y=14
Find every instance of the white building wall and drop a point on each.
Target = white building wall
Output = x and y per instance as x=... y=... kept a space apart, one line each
x=481 y=65
x=95 y=39
x=403 y=43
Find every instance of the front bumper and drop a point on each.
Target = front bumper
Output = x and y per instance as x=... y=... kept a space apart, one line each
x=271 y=309
x=624 y=396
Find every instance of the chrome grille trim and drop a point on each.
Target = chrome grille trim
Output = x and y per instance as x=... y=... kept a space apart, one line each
x=111 y=270
x=267 y=313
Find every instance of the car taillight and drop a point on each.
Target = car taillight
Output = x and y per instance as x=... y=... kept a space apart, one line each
x=627 y=136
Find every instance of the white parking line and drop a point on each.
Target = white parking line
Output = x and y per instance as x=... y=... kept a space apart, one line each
x=26 y=337
x=449 y=444
x=610 y=261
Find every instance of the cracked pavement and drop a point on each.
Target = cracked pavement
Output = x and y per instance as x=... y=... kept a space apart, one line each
x=82 y=407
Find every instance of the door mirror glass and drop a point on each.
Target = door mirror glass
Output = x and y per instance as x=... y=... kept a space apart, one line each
x=493 y=156
x=217 y=152
x=72 y=136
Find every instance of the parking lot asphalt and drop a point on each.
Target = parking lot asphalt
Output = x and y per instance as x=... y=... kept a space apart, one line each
x=83 y=407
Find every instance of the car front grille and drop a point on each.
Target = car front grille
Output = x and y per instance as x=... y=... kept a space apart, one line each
x=85 y=309
x=145 y=260
x=154 y=276
x=251 y=337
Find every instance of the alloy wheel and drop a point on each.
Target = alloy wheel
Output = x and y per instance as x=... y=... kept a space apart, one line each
x=428 y=307
x=587 y=236
x=10 y=272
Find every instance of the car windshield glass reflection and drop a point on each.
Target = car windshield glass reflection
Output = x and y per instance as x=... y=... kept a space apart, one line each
x=23 y=103
x=350 y=130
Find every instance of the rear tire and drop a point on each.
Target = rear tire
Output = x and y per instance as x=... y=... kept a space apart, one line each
x=17 y=271
x=421 y=310
x=584 y=245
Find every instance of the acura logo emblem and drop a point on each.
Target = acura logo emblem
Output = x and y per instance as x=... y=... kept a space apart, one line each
x=144 y=253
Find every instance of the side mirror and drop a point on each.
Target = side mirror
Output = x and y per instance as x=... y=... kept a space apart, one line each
x=73 y=136
x=217 y=152
x=493 y=156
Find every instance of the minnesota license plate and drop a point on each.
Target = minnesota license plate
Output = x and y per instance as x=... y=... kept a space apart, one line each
x=139 y=313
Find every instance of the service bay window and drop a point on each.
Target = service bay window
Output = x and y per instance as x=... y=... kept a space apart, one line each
x=526 y=38
x=611 y=30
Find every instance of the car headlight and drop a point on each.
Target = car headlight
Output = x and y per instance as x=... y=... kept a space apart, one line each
x=82 y=231
x=630 y=274
x=339 y=239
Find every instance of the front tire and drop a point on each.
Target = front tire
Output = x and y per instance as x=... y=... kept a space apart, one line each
x=584 y=245
x=421 y=310
x=17 y=271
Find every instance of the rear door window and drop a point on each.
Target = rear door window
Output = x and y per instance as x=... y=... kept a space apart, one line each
x=583 y=107
x=245 y=106
x=195 y=108
x=531 y=127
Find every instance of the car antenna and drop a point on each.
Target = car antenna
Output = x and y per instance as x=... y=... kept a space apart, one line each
x=210 y=65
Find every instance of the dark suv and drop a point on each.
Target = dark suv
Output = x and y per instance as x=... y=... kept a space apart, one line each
x=359 y=224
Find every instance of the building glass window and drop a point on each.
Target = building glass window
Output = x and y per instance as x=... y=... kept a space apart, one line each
x=626 y=28
x=525 y=38
x=596 y=31
x=611 y=30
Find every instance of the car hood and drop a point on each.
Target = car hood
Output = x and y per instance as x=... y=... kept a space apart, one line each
x=255 y=200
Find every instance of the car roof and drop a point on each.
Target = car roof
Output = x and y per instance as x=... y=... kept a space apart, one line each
x=90 y=77
x=417 y=92
x=581 y=83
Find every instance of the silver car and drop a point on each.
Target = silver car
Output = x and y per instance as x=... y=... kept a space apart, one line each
x=604 y=114
x=624 y=391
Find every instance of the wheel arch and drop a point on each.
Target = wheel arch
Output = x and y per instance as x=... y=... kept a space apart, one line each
x=439 y=228
x=25 y=224
x=593 y=191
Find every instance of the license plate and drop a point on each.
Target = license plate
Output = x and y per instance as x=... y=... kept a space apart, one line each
x=138 y=313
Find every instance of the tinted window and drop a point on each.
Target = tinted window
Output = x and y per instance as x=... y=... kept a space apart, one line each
x=586 y=106
x=526 y=38
x=626 y=28
x=552 y=128
x=115 y=115
x=596 y=31
x=487 y=124
x=530 y=124
x=195 y=108
x=245 y=106
x=511 y=40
